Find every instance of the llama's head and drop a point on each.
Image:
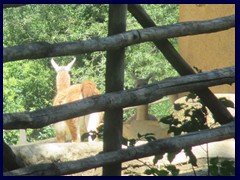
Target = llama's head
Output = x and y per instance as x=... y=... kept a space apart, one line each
x=63 y=77
x=141 y=82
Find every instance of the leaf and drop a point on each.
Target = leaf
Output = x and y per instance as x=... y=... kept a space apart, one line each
x=198 y=114
x=175 y=130
x=162 y=172
x=227 y=163
x=213 y=169
x=214 y=161
x=139 y=135
x=148 y=171
x=192 y=157
x=191 y=96
x=150 y=138
x=124 y=141
x=188 y=126
x=167 y=119
x=157 y=157
x=226 y=102
x=84 y=136
x=172 y=155
x=227 y=171
x=172 y=168
x=149 y=134
x=132 y=142
x=227 y=168
x=179 y=106
x=188 y=112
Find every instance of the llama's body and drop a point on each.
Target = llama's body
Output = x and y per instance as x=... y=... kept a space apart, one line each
x=68 y=93
x=142 y=122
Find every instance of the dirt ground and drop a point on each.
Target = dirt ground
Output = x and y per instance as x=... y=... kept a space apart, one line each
x=134 y=168
x=137 y=167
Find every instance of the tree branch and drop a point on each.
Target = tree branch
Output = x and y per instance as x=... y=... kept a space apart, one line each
x=155 y=147
x=146 y=94
x=182 y=67
x=44 y=49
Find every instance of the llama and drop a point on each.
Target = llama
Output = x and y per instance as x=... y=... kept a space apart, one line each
x=68 y=93
x=142 y=122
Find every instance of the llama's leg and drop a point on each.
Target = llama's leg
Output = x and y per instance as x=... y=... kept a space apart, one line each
x=60 y=129
x=92 y=123
x=73 y=126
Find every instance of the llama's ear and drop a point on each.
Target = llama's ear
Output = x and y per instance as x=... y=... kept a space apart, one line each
x=54 y=64
x=68 y=67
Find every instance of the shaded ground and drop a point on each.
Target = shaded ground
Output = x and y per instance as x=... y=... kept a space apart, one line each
x=131 y=168
x=134 y=168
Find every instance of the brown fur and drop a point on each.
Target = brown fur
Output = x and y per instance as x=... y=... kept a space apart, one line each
x=66 y=94
x=63 y=80
x=89 y=89
x=74 y=93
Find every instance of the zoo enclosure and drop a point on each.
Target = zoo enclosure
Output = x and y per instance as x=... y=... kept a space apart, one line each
x=116 y=43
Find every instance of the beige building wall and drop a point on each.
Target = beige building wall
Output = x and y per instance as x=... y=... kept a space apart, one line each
x=209 y=51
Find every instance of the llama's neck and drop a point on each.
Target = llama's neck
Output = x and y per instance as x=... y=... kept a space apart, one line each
x=63 y=80
x=142 y=112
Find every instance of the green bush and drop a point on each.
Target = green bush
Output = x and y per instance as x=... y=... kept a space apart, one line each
x=30 y=84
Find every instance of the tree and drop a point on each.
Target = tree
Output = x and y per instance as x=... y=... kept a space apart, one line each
x=30 y=85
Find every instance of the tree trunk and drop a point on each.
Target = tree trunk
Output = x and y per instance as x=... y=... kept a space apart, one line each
x=113 y=121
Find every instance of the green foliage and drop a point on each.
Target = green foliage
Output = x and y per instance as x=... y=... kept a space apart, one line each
x=163 y=171
x=192 y=157
x=94 y=134
x=40 y=134
x=30 y=85
x=157 y=157
x=226 y=103
x=26 y=86
x=170 y=156
x=221 y=168
x=152 y=170
x=132 y=141
x=191 y=116
x=161 y=109
x=145 y=58
x=156 y=172
x=187 y=117
x=11 y=137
